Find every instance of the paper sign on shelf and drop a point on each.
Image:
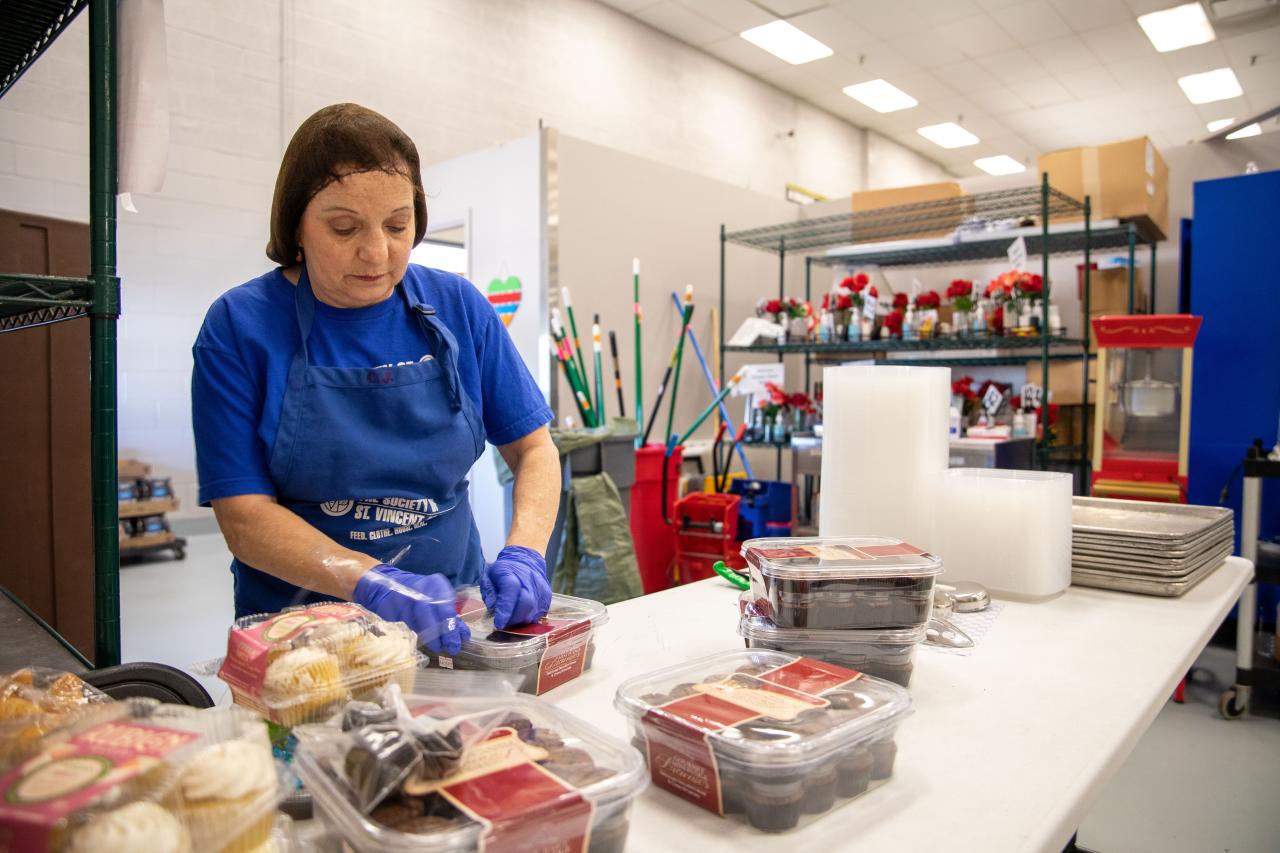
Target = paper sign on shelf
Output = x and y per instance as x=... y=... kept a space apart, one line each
x=754 y=377
x=869 y=308
x=754 y=328
x=1018 y=254
x=1032 y=395
x=992 y=400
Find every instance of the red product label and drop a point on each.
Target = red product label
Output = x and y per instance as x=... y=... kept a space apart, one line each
x=677 y=734
x=522 y=806
x=565 y=655
x=245 y=665
x=44 y=790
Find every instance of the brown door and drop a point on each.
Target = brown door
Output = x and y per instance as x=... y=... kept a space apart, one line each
x=46 y=511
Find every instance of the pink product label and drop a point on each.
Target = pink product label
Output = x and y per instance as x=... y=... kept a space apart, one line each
x=245 y=665
x=36 y=795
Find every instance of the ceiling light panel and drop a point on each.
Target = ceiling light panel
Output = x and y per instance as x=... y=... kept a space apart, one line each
x=786 y=42
x=1209 y=86
x=1219 y=124
x=1176 y=28
x=1001 y=164
x=881 y=95
x=948 y=135
x=1247 y=131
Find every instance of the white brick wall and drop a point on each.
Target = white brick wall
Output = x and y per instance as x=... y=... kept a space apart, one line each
x=458 y=75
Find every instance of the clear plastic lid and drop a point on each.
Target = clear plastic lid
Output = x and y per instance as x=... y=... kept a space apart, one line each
x=35 y=701
x=282 y=664
x=753 y=626
x=489 y=643
x=179 y=777
x=816 y=558
x=813 y=708
x=526 y=743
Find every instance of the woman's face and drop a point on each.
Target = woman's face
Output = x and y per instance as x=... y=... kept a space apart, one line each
x=356 y=235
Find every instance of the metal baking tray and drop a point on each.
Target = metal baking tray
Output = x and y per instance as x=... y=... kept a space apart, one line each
x=1166 y=589
x=1148 y=560
x=1144 y=519
x=1190 y=543
x=1120 y=567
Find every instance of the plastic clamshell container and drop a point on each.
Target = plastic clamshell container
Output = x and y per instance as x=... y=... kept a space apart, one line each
x=887 y=653
x=769 y=738
x=554 y=825
x=558 y=648
x=301 y=664
x=152 y=750
x=842 y=583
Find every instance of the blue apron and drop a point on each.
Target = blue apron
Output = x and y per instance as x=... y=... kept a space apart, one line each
x=375 y=458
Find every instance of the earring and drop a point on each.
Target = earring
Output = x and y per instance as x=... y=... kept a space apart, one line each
x=299 y=257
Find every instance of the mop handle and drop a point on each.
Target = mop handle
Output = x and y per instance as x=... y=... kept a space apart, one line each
x=711 y=383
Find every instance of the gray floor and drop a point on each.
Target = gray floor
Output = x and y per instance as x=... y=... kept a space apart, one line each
x=1194 y=783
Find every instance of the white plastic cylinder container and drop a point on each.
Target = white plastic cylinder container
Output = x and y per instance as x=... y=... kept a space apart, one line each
x=1008 y=530
x=884 y=448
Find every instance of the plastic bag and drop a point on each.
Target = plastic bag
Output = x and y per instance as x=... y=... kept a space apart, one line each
x=375 y=748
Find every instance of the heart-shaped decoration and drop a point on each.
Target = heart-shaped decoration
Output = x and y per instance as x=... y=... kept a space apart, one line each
x=504 y=296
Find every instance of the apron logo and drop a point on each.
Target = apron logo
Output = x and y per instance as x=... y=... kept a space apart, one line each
x=337 y=508
x=379 y=377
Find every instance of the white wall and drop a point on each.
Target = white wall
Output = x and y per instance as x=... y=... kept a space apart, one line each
x=458 y=75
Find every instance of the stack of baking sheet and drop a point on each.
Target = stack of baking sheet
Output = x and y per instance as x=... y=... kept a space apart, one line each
x=1145 y=547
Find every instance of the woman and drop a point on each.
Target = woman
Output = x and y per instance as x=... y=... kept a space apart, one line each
x=340 y=400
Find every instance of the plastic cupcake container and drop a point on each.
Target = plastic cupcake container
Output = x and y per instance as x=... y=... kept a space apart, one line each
x=584 y=780
x=841 y=583
x=887 y=653
x=558 y=648
x=301 y=664
x=141 y=775
x=792 y=739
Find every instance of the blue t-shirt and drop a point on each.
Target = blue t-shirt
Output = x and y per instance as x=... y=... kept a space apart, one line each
x=249 y=337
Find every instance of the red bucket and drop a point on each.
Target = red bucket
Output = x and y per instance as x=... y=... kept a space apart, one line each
x=653 y=538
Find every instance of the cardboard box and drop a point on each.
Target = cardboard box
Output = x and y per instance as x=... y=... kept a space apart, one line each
x=1109 y=295
x=893 y=228
x=1073 y=428
x=133 y=468
x=1109 y=290
x=1064 y=380
x=1125 y=180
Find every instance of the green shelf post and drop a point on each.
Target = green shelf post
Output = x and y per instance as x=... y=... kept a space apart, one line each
x=1151 y=294
x=720 y=319
x=1085 y=461
x=103 y=312
x=782 y=290
x=808 y=297
x=1133 y=239
x=1044 y=320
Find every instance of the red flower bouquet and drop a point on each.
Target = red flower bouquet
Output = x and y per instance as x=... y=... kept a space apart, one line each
x=893 y=321
x=900 y=301
x=960 y=292
x=928 y=301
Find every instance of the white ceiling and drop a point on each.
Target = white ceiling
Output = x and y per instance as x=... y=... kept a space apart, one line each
x=1025 y=77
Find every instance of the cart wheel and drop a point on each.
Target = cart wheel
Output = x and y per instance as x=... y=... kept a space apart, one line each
x=179 y=553
x=1227 y=706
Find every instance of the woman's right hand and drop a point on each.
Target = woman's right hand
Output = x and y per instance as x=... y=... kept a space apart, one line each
x=423 y=602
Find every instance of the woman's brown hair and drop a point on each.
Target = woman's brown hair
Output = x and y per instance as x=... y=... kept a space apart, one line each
x=336 y=141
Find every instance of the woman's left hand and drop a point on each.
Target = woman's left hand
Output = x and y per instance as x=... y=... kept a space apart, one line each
x=515 y=587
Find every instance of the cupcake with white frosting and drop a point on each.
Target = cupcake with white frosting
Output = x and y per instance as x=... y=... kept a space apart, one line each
x=302 y=684
x=378 y=659
x=142 y=825
x=228 y=794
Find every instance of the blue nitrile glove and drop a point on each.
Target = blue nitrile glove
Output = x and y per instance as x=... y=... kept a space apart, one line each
x=423 y=602
x=515 y=587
